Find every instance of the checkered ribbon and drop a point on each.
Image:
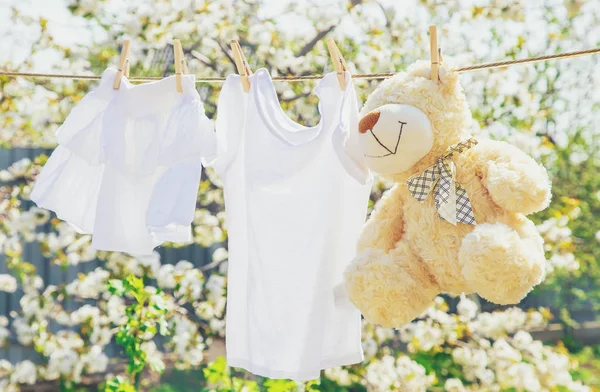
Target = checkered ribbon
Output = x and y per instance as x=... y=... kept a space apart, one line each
x=451 y=199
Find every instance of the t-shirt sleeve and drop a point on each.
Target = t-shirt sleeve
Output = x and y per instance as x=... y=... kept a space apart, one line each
x=208 y=149
x=346 y=139
x=188 y=138
x=231 y=115
x=188 y=135
x=82 y=130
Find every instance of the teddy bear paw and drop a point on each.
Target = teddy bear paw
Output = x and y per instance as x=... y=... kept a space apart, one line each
x=525 y=189
x=388 y=290
x=499 y=264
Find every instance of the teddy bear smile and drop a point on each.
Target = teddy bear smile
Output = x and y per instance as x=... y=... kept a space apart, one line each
x=390 y=149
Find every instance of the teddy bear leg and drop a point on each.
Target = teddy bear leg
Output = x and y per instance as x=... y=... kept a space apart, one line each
x=390 y=289
x=501 y=264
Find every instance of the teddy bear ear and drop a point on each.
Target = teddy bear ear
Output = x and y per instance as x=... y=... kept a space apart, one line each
x=446 y=75
x=421 y=69
x=448 y=79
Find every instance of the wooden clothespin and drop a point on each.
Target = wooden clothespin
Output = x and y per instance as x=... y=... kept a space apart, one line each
x=338 y=62
x=123 y=64
x=435 y=54
x=180 y=64
x=241 y=64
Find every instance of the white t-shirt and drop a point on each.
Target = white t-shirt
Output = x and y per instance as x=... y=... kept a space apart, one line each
x=296 y=198
x=128 y=164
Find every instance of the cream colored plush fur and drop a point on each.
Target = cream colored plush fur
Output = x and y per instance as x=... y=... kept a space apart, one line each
x=408 y=254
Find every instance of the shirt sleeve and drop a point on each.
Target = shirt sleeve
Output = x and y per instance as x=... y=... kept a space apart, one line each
x=346 y=138
x=188 y=135
x=231 y=116
x=208 y=151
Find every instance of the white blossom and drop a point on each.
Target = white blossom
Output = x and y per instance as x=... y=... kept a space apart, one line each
x=467 y=308
x=454 y=385
x=24 y=373
x=8 y=283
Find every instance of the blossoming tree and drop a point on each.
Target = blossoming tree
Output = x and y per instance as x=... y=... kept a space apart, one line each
x=165 y=315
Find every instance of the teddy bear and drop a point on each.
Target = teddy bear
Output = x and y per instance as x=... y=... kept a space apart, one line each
x=455 y=220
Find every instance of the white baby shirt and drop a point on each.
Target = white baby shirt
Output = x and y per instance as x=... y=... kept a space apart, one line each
x=128 y=164
x=296 y=199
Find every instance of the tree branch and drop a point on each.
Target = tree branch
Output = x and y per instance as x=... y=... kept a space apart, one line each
x=226 y=53
x=308 y=47
x=303 y=95
x=191 y=50
x=212 y=265
x=388 y=22
x=203 y=59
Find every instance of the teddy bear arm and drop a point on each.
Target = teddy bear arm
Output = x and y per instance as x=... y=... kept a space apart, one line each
x=514 y=180
x=385 y=225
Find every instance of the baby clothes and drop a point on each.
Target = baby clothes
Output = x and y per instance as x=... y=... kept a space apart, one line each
x=296 y=199
x=128 y=164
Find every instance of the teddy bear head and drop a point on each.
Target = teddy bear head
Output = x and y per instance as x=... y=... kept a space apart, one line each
x=409 y=121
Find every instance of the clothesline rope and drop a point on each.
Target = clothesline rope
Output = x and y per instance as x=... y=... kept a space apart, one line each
x=476 y=67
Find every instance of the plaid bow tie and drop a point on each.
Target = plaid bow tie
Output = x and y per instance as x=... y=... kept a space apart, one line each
x=451 y=199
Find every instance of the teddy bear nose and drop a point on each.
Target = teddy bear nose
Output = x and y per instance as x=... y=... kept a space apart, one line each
x=368 y=121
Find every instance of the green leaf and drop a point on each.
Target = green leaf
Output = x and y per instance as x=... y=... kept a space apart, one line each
x=119 y=384
x=280 y=385
x=217 y=373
